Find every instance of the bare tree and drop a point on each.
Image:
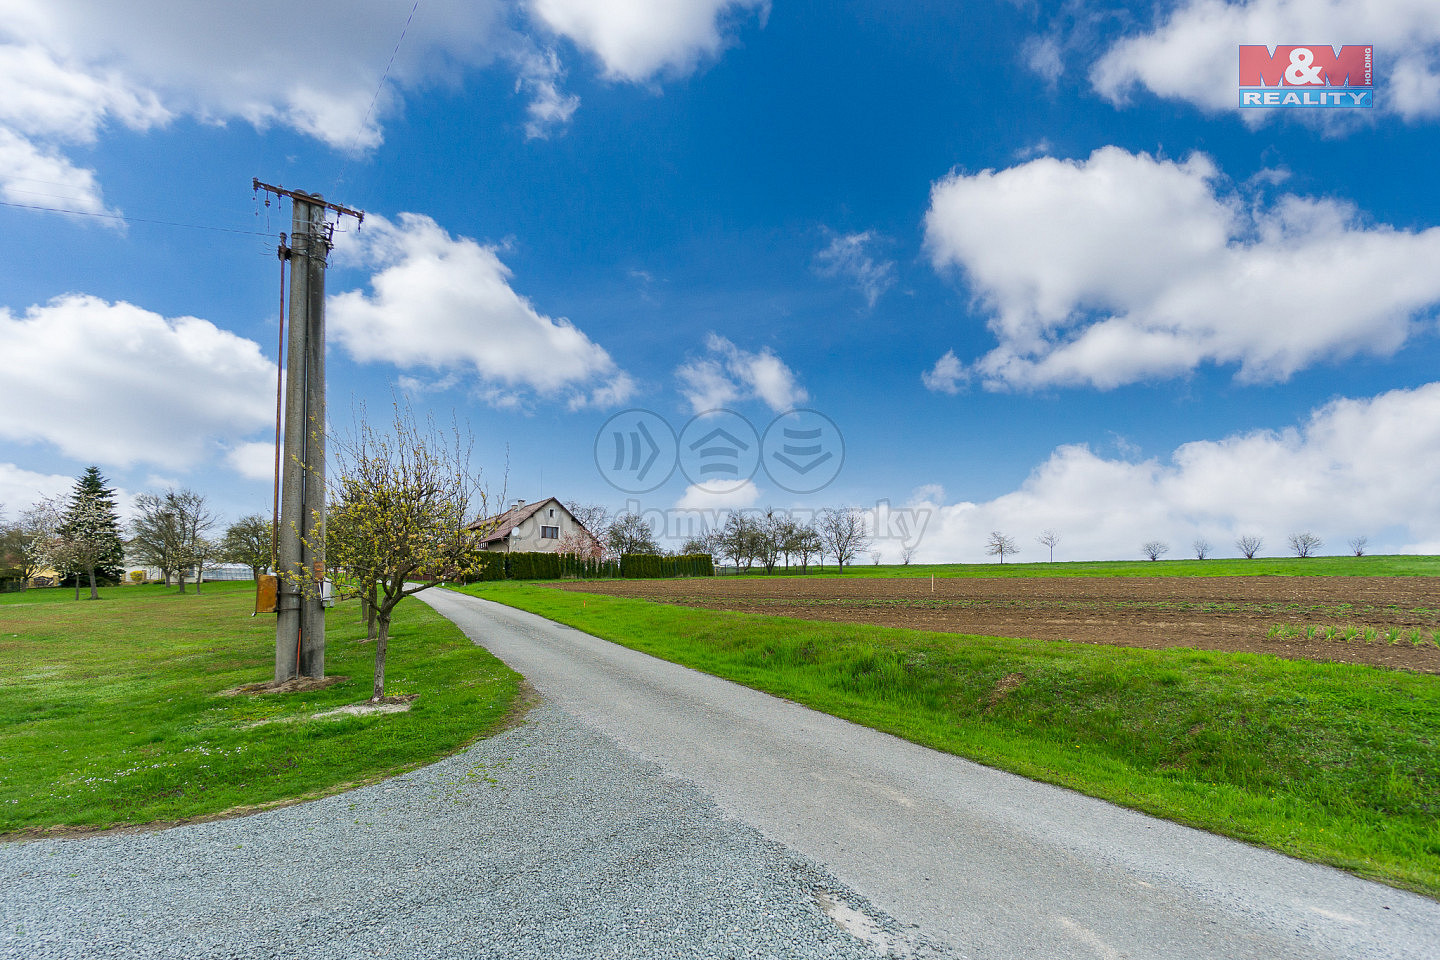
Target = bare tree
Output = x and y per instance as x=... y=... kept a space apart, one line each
x=44 y=526
x=1049 y=539
x=787 y=534
x=875 y=558
x=155 y=538
x=807 y=544
x=10 y=550
x=1358 y=545
x=580 y=543
x=1201 y=546
x=202 y=550
x=907 y=554
x=400 y=502
x=842 y=532
x=740 y=541
x=770 y=538
x=1304 y=544
x=1248 y=545
x=594 y=517
x=170 y=531
x=999 y=545
x=249 y=541
x=701 y=543
x=1155 y=549
x=630 y=533
x=25 y=541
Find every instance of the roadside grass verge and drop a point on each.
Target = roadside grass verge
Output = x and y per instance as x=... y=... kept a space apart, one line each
x=1334 y=763
x=110 y=712
x=1381 y=566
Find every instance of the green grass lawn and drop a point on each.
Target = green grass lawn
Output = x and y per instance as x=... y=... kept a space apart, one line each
x=1383 y=566
x=110 y=710
x=1330 y=762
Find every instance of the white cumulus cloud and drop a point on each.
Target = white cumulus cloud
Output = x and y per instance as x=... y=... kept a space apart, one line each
x=637 y=39
x=1355 y=467
x=1126 y=267
x=253 y=460
x=947 y=375
x=36 y=176
x=445 y=303
x=114 y=384
x=1192 y=53
x=724 y=498
x=314 y=67
x=71 y=69
x=727 y=374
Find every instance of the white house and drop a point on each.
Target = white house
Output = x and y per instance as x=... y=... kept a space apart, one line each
x=540 y=527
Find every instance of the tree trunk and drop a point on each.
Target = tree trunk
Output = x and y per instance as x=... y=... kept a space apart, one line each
x=199 y=579
x=380 y=643
x=77 y=585
x=371 y=614
x=93 y=594
x=181 y=574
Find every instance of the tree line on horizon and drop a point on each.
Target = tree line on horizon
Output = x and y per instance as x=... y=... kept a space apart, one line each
x=767 y=538
x=80 y=537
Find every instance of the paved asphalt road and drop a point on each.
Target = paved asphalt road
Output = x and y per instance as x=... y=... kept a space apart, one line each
x=989 y=864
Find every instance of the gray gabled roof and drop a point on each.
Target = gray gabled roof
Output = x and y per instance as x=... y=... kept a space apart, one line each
x=498 y=527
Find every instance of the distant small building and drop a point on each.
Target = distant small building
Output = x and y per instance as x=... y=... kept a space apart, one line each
x=541 y=527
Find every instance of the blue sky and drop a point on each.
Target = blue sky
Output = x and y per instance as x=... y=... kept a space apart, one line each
x=1029 y=259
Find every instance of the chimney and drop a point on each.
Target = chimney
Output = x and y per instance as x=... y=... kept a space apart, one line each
x=517 y=504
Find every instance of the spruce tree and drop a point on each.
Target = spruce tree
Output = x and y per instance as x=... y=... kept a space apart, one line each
x=90 y=517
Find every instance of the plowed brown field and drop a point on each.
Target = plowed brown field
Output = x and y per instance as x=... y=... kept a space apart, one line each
x=1217 y=613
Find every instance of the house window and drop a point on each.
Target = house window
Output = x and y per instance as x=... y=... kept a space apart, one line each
x=552 y=511
x=549 y=533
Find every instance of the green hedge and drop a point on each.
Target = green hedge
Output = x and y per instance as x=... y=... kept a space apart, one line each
x=652 y=566
x=486 y=566
x=539 y=566
x=557 y=566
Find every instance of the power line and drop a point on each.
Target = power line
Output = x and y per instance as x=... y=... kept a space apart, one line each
x=127 y=220
x=370 y=110
x=385 y=76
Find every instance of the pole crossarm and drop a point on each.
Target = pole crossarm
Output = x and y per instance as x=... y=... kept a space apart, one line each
x=311 y=198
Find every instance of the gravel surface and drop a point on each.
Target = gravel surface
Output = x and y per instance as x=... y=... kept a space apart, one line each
x=993 y=865
x=547 y=841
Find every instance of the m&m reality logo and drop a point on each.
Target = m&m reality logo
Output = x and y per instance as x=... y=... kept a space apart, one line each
x=1311 y=76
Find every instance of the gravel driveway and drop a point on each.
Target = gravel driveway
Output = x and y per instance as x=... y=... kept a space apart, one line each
x=547 y=841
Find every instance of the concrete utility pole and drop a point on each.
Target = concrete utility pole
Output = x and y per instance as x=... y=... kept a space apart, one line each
x=300 y=622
